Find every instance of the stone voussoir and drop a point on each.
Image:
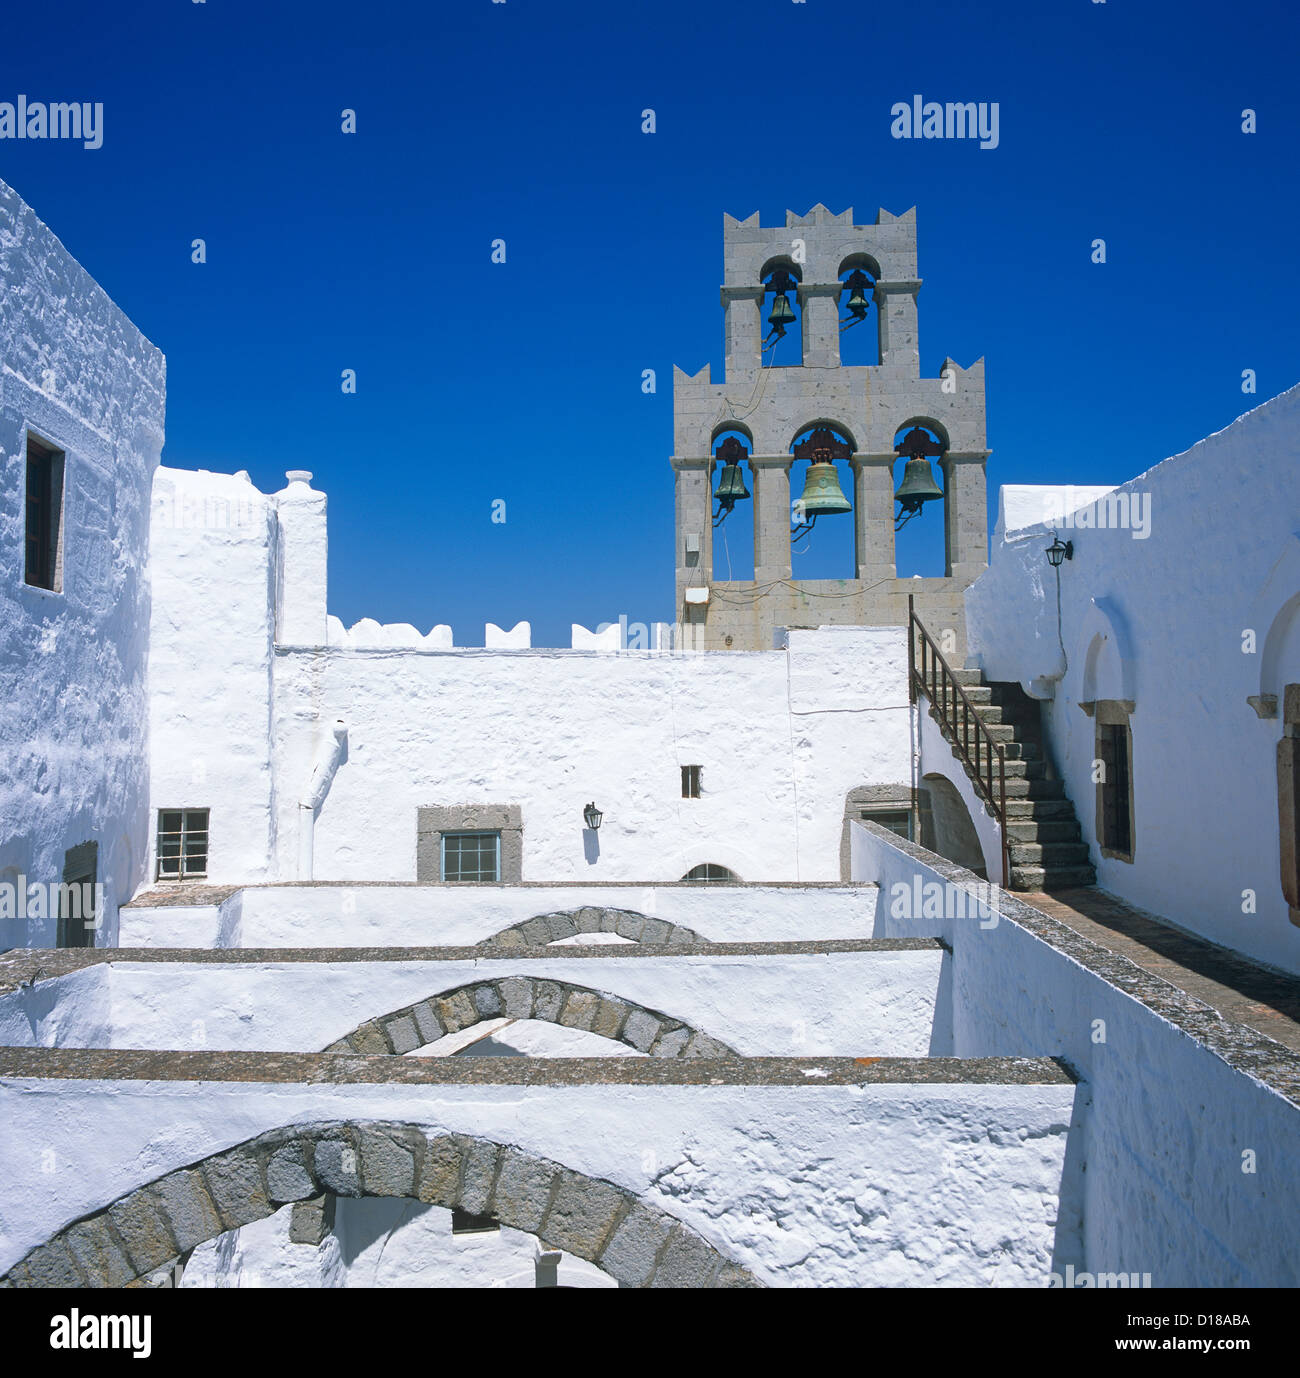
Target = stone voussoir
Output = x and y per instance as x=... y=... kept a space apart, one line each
x=523 y=1188
x=188 y=1208
x=633 y=1247
x=685 y=1261
x=579 y=1010
x=517 y=996
x=402 y=1033
x=236 y=1185
x=140 y=1225
x=336 y=1163
x=478 y=1175
x=582 y=1214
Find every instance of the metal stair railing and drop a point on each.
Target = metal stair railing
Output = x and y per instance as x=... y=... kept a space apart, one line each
x=930 y=674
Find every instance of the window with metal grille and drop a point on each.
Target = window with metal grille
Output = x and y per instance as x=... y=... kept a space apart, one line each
x=44 y=509
x=1114 y=747
x=471 y=856
x=709 y=874
x=896 y=820
x=690 y=782
x=182 y=844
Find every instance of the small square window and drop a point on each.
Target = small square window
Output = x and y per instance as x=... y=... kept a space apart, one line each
x=471 y=856
x=182 y=844
x=690 y=782
x=466 y=1222
x=896 y=820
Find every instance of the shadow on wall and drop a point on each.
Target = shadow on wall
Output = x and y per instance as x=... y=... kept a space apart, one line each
x=941 y=1034
x=947 y=827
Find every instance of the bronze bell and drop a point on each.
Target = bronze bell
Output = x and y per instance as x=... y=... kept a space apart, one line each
x=918 y=485
x=731 y=485
x=782 y=313
x=822 y=494
x=858 y=303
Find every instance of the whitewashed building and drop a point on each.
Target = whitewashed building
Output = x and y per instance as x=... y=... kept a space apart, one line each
x=353 y=880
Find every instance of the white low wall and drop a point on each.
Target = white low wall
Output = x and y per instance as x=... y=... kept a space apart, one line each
x=451 y=916
x=880 y=1185
x=1169 y=1186
x=849 y=1003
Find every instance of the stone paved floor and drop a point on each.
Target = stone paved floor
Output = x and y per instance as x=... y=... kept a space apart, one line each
x=1241 y=990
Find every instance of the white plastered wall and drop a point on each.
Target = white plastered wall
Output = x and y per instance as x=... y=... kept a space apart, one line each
x=782 y=736
x=1187 y=623
x=73 y=746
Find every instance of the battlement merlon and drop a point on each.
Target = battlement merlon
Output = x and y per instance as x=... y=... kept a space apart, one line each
x=826 y=243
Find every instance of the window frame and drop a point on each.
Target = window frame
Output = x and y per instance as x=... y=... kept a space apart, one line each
x=1114 y=803
x=729 y=877
x=45 y=571
x=182 y=834
x=460 y=834
x=876 y=813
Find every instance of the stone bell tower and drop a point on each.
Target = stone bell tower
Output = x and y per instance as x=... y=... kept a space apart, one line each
x=872 y=407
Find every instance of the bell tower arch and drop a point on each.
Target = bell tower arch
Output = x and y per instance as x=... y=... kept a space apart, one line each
x=816 y=277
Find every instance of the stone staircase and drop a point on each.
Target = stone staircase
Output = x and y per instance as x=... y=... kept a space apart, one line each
x=1047 y=851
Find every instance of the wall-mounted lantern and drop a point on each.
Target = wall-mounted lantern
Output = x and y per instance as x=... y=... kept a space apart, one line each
x=1059 y=550
x=591 y=816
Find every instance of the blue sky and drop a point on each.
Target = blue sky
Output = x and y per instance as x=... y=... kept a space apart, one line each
x=522 y=121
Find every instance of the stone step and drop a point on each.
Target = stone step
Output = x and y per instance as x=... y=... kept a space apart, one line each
x=1019 y=769
x=1050 y=854
x=1051 y=877
x=1027 y=809
x=1043 y=830
x=965 y=676
x=1011 y=710
x=1036 y=789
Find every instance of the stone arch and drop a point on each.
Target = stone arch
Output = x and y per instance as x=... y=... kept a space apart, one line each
x=1275 y=618
x=859 y=260
x=152 y=1226
x=1110 y=662
x=837 y=426
x=947 y=826
x=779 y=262
x=724 y=428
x=929 y=423
x=530 y=997
x=568 y=923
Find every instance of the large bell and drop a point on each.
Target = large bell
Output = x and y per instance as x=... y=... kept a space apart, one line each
x=782 y=313
x=918 y=485
x=822 y=495
x=731 y=485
